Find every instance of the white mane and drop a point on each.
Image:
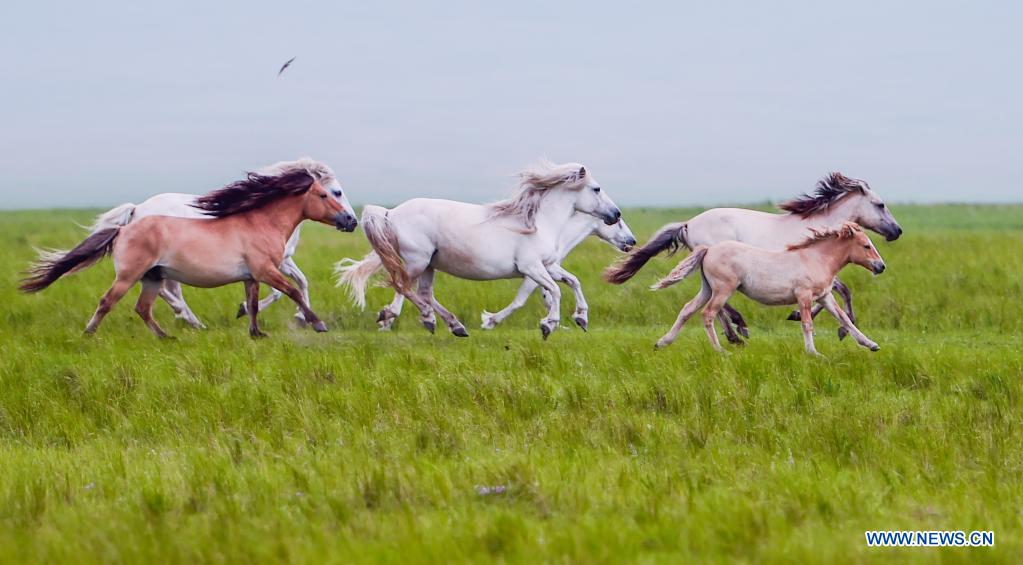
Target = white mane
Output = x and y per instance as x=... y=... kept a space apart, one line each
x=316 y=169
x=535 y=181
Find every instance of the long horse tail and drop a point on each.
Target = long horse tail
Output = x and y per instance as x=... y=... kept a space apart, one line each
x=381 y=236
x=356 y=274
x=671 y=236
x=114 y=218
x=52 y=265
x=683 y=269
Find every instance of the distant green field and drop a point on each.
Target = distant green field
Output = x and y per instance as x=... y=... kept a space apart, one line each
x=357 y=445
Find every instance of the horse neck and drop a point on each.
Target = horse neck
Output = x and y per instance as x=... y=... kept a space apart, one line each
x=555 y=211
x=578 y=227
x=281 y=217
x=833 y=254
x=840 y=212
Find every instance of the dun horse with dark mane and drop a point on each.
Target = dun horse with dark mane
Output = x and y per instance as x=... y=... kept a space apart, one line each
x=252 y=221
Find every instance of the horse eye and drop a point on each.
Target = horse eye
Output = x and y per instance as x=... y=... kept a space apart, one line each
x=866 y=247
x=880 y=204
x=596 y=189
x=337 y=193
x=324 y=196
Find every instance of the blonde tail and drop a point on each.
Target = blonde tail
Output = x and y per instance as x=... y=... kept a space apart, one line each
x=356 y=274
x=114 y=218
x=381 y=236
x=683 y=269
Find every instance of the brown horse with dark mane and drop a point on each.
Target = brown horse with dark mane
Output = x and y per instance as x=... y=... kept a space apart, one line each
x=244 y=242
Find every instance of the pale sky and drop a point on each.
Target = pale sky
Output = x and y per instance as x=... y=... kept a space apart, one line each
x=671 y=103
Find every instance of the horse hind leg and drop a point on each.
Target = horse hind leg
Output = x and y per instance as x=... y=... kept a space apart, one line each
x=425 y=292
x=737 y=319
x=691 y=307
x=390 y=313
x=726 y=328
x=171 y=293
x=110 y=298
x=151 y=285
x=718 y=299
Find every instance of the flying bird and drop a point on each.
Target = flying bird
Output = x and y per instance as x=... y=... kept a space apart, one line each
x=286 y=65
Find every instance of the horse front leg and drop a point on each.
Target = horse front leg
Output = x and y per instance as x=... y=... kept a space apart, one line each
x=490 y=321
x=252 y=302
x=289 y=268
x=846 y=295
x=829 y=302
x=269 y=274
x=806 y=317
x=581 y=314
x=538 y=273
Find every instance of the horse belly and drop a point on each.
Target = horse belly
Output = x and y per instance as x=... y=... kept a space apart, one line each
x=765 y=291
x=467 y=265
x=205 y=274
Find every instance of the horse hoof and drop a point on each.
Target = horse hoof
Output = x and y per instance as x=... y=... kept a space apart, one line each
x=487 y=320
x=582 y=323
x=460 y=332
x=301 y=321
x=241 y=311
x=842 y=333
x=430 y=326
x=875 y=347
x=660 y=345
x=320 y=327
x=743 y=331
x=382 y=316
x=795 y=316
x=546 y=331
x=258 y=334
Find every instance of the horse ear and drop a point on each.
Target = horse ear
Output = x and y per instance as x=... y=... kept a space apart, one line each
x=582 y=172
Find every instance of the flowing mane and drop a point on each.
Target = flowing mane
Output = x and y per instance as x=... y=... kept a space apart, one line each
x=846 y=231
x=257 y=189
x=535 y=182
x=828 y=190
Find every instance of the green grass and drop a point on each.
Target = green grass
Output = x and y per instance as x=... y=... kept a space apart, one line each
x=366 y=446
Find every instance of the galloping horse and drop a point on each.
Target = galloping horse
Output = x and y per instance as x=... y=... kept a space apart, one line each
x=836 y=200
x=580 y=226
x=801 y=274
x=183 y=206
x=245 y=241
x=576 y=230
x=513 y=238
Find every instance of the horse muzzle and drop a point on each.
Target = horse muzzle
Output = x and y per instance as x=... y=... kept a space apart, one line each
x=877 y=267
x=892 y=233
x=627 y=245
x=345 y=221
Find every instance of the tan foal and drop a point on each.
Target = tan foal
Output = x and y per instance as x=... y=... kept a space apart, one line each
x=253 y=219
x=800 y=275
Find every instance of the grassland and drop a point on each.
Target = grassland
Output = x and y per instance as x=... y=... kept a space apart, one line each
x=361 y=446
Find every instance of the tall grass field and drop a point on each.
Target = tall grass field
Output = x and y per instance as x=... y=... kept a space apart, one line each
x=364 y=446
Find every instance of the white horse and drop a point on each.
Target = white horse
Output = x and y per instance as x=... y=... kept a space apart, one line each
x=183 y=206
x=576 y=230
x=518 y=237
x=837 y=199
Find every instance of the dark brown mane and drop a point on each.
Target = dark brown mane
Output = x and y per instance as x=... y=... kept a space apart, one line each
x=828 y=190
x=252 y=192
x=846 y=231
